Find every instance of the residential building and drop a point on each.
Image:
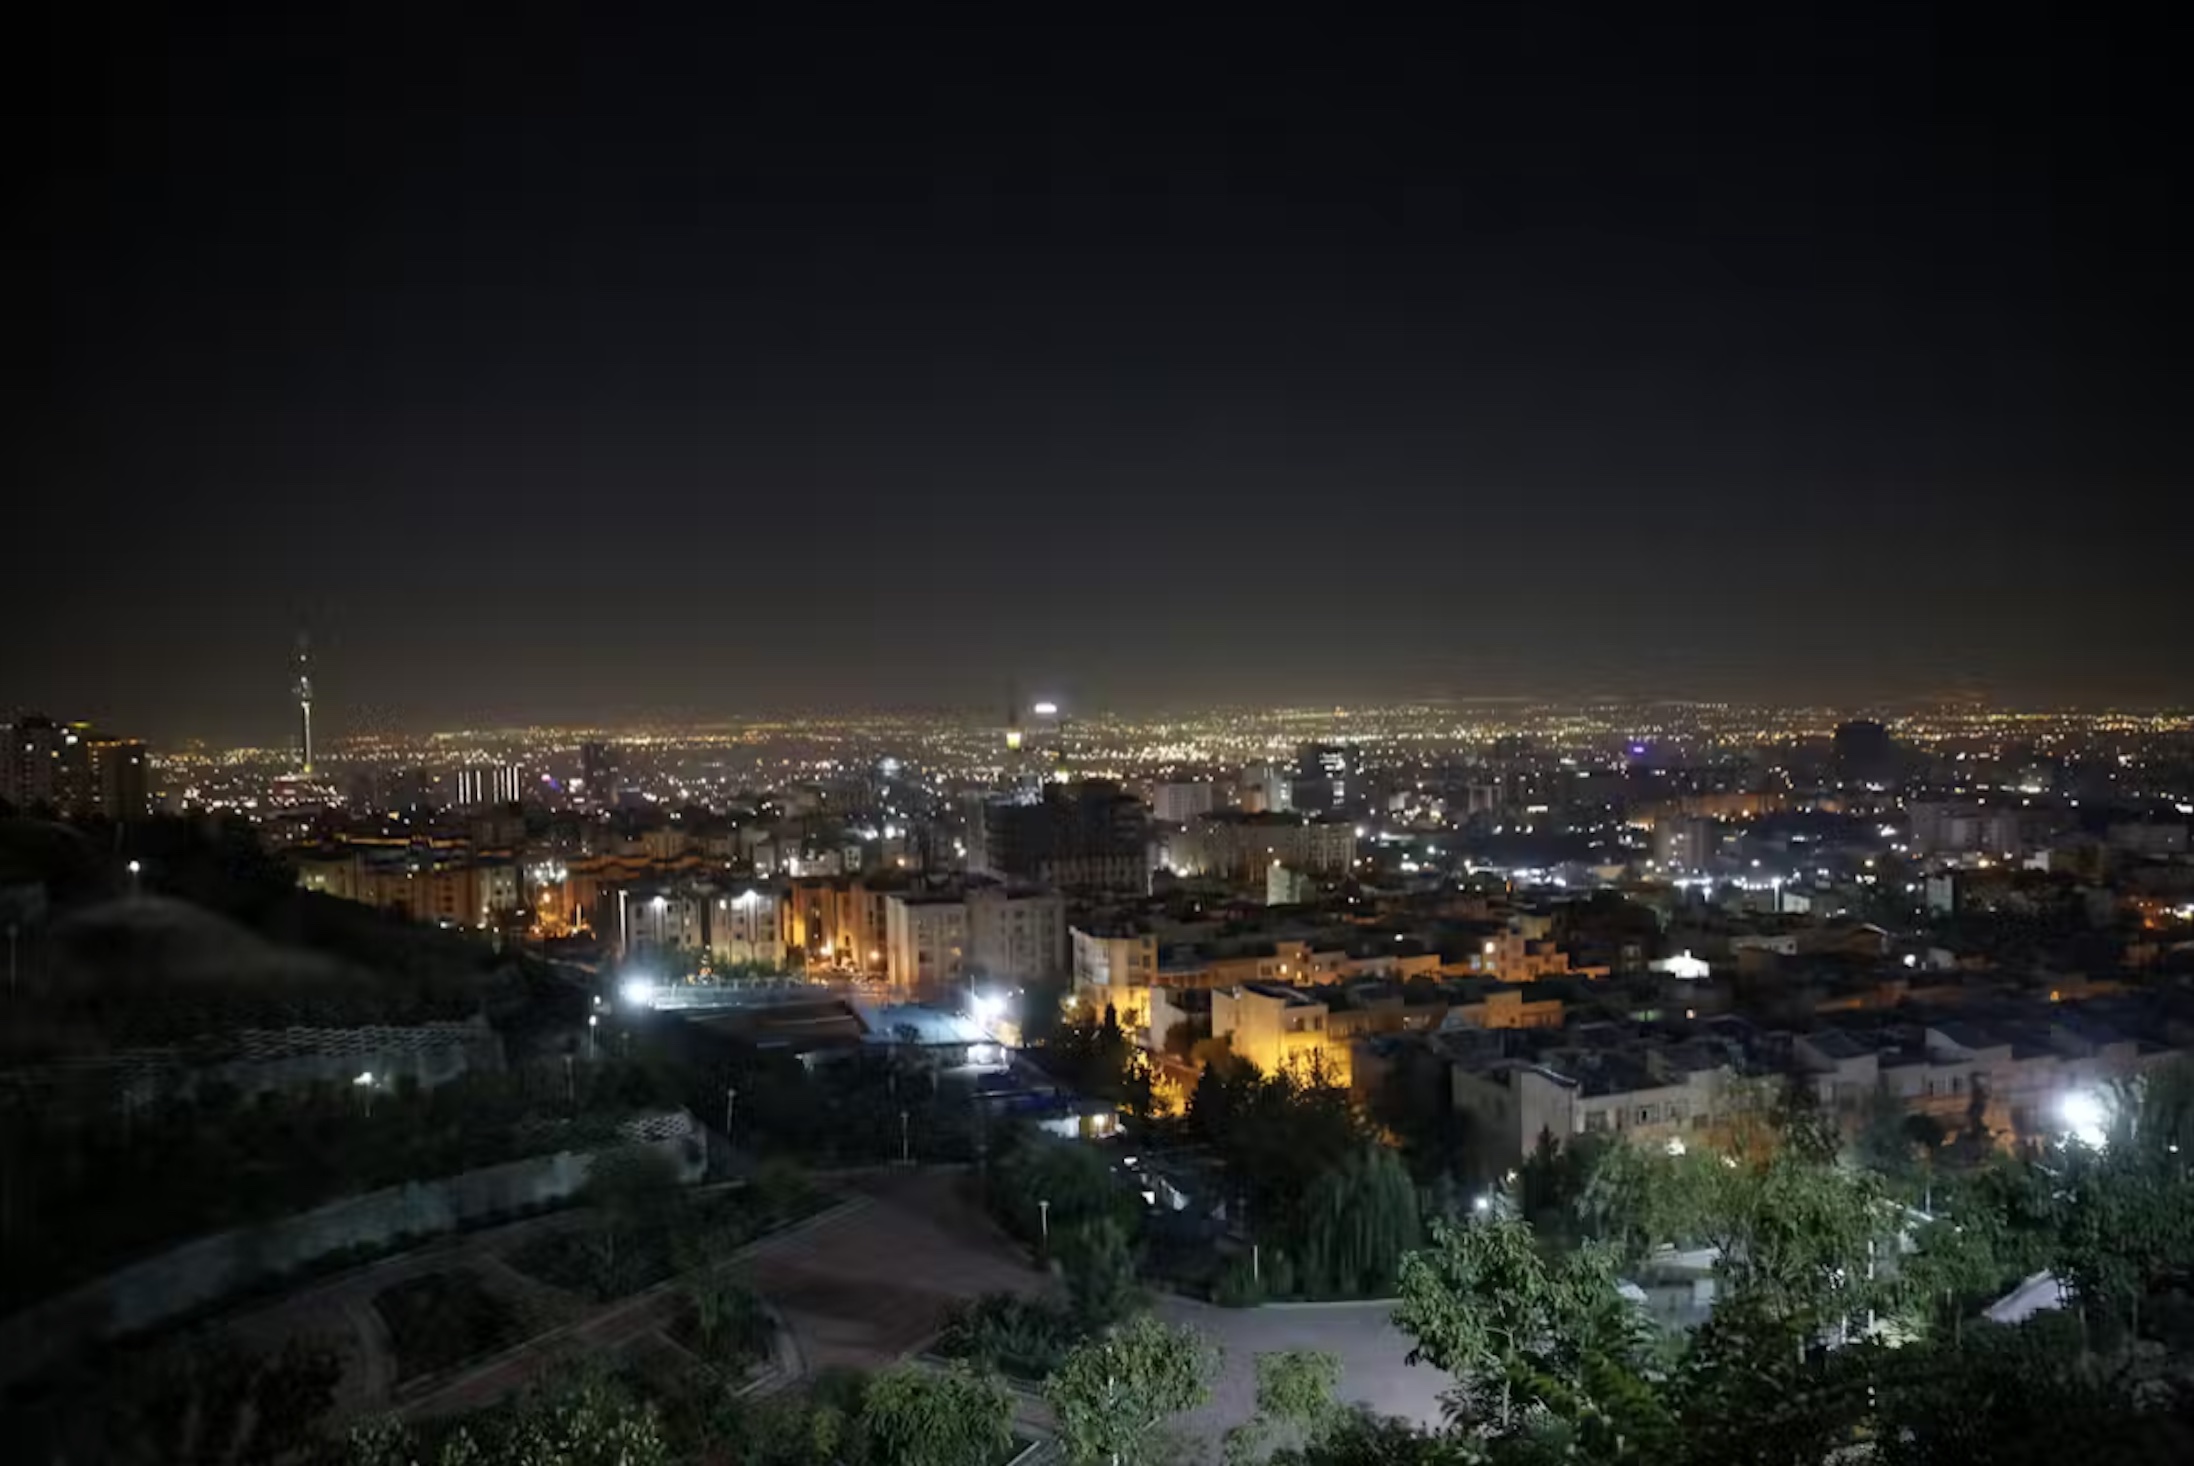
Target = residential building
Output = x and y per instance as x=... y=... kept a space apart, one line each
x=1016 y=933
x=1180 y=802
x=1944 y=828
x=834 y=921
x=925 y=938
x=1686 y=842
x=1085 y=836
x=1114 y=967
x=30 y=775
x=1242 y=847
x=745 y=928
x=1279 y=1029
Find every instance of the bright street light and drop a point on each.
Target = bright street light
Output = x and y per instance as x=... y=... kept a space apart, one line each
x=2085 y=1115
x=637 y=991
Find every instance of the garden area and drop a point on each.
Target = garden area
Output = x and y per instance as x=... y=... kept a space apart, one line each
x=642 y=1227
x=442 y=1319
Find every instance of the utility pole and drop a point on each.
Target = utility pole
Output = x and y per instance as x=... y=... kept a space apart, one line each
x=906 y=1149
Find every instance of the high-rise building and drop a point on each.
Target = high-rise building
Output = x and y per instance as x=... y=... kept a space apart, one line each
x=1864 y=752
x=598 y=772
x=111 y=779
x=74 y=772
x=1322 y=777
x=1083 y=836
x=31 y=774
x=484 y=784
x=1686 y=842
x=1267 y=789
x=1180 y=802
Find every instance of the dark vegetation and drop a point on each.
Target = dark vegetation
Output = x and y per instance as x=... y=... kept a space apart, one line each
x=642 y=1226
x=89 y=1190
x=442 y=1319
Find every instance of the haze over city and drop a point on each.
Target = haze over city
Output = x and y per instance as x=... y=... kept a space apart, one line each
x=768 y=366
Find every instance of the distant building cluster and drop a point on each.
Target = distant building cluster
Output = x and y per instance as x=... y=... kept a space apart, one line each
x=74 y=771
x=1585 y=919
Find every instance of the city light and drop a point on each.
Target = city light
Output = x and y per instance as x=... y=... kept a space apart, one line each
x=2085 y=1114
x=1046 y=710
x=986 y=1008
x=638 y=991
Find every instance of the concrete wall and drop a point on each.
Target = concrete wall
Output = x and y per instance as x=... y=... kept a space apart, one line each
x=198 y=1274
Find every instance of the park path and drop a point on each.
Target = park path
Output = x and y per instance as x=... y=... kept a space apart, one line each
x=877 y=1279
x=1374 y=1355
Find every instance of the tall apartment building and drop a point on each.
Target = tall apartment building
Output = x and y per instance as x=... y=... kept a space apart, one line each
x=111 y=778
x=73 y=771
x=1016 y=933
x=1323 y=777
x=1180 y=802
x=1088 y=836
x=1683 y=842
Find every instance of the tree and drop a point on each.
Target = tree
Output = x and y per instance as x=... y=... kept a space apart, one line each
x=1032 y=1168
x=1885 y=1142
x=582 y=1419
x=1355 y=1225
x=1529 y=1339
x=1295 y=1405
x=1114 y=1394
x=729 y=1318
x=1100 y=1274
x=914 y=1416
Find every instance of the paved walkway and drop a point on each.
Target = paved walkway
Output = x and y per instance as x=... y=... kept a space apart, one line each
x=1372 y=1351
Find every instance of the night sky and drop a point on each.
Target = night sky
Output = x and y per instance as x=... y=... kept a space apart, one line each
x=564 y=369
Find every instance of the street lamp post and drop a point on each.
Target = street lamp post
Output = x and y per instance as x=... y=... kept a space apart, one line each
x=137 y=885
x=1043 y=1222
x=730 y=1096
x=906 y=1148
x=594 y=1022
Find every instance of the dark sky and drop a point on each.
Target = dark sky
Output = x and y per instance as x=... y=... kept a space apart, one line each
x=572 y=369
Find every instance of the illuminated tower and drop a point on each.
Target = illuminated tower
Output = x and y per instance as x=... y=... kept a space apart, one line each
x=304 y=700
